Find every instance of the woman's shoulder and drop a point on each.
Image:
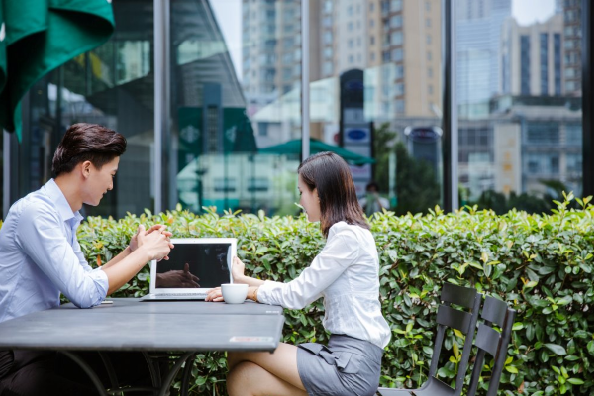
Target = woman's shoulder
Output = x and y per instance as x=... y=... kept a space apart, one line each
x=348 y=230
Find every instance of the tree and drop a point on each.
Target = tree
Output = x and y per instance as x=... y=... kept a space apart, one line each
x=417 y=187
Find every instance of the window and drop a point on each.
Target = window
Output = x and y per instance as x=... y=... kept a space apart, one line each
x=428 y=39
x=544 y=64
x=429 y=56
x=397 y=55
x=372 y=40
x=557 y=62
x=396 y=38
x=427 y=22
x=396 y=5
x=525 y=65
x=396 y=21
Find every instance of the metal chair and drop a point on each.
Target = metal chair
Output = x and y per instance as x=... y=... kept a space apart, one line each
x=447 y=316
x=488 y=340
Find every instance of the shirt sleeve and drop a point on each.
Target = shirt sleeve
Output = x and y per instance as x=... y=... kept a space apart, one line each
x=339 y=253
x=40 y=235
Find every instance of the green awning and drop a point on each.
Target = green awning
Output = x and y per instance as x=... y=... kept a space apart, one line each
x=316 y=146
x=37 y=36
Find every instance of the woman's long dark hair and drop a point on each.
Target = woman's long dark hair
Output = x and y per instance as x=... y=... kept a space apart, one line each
x=331 y=175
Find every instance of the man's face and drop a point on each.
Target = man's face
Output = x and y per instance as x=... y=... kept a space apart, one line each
x=99 y=181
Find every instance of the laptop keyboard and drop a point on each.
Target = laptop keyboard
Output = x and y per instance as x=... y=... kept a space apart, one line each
x=183 y=294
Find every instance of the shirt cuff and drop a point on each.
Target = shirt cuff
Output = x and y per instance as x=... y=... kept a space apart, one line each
x=100 y=278
x=265 y=291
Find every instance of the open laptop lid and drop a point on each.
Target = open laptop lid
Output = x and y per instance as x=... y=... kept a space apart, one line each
x=195 y=265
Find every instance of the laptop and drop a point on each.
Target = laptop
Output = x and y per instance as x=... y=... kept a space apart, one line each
x=194 y=267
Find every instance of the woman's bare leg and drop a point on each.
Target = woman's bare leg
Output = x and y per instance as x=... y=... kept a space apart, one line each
x=256 y=372
x=249 y=379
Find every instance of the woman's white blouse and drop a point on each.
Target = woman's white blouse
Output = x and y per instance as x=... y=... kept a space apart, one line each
x=345 y=273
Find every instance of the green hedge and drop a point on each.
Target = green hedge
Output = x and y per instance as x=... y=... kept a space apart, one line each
x=539 y=264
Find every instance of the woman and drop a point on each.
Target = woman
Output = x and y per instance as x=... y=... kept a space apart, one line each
x=345 y=273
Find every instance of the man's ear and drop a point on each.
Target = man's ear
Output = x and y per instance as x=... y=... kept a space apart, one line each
x=85 y=167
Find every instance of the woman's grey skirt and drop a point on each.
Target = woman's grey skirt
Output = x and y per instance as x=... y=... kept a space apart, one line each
x=347 y=366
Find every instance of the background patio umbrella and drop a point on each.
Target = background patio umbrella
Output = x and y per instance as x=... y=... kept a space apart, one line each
x=37 y=36
x=316 y=146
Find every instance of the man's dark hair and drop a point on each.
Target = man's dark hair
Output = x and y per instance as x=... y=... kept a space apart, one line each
x=372 y=184
x=87 y=142
x=331 y=175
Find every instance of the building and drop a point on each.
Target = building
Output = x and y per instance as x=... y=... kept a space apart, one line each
x=531 y=58
x=196 y=120
x=478 y=39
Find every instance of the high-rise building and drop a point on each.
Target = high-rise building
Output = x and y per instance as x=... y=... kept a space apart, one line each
x=572 y=38
x=478 y=64
x=531 y=58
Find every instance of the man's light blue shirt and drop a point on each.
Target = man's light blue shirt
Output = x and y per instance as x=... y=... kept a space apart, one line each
x=40 y=257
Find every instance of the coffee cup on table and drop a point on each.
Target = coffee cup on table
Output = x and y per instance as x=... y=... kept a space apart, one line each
x=234 y=293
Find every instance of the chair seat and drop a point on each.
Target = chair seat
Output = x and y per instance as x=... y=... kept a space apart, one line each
x=433 y=387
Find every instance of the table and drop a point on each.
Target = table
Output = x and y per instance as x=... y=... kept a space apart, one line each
x=130 y=325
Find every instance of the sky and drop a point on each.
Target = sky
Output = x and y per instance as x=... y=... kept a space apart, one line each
x=229 y=17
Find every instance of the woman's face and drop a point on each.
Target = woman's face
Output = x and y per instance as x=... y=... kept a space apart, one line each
x=310 y=201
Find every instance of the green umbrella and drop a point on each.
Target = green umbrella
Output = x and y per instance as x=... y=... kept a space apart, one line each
x=316 y=146
x=37 y=36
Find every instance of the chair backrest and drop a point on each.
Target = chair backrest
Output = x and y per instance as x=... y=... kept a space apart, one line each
x=463 y=321
x=489 y=341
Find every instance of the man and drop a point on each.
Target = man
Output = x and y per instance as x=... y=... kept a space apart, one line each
x=40 y=256
x=372 y=202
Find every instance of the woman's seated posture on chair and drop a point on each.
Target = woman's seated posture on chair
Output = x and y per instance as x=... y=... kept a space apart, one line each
x=345 y=274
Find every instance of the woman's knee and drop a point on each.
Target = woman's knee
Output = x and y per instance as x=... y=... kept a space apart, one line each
x=239 y=376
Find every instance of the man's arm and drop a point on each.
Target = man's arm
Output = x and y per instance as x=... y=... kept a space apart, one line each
x=134 y=244
x=39 y=234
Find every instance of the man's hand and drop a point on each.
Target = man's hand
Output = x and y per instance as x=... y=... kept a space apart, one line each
x=177 y=278
x=135 y=242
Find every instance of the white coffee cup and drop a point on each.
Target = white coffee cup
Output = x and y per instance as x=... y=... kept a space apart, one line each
x=234 y=293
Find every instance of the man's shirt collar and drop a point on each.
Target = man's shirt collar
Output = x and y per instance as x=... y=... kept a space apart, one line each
x=57 y=197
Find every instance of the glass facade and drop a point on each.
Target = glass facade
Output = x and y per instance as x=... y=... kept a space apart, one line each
x=232 y=122
x=522 y=145
x=377 y=103
x=235 y=105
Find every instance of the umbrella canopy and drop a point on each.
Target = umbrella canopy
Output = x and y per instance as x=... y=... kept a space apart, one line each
x=316 y=146
x=37 y=36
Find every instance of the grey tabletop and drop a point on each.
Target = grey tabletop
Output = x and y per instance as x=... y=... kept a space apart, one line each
x=135 y=306
x=142 y=326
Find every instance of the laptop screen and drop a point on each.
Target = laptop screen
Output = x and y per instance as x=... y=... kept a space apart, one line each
x=195 y=265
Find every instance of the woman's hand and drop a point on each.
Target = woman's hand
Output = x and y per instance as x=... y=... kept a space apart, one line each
x=214 y=295
x=238 y=270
